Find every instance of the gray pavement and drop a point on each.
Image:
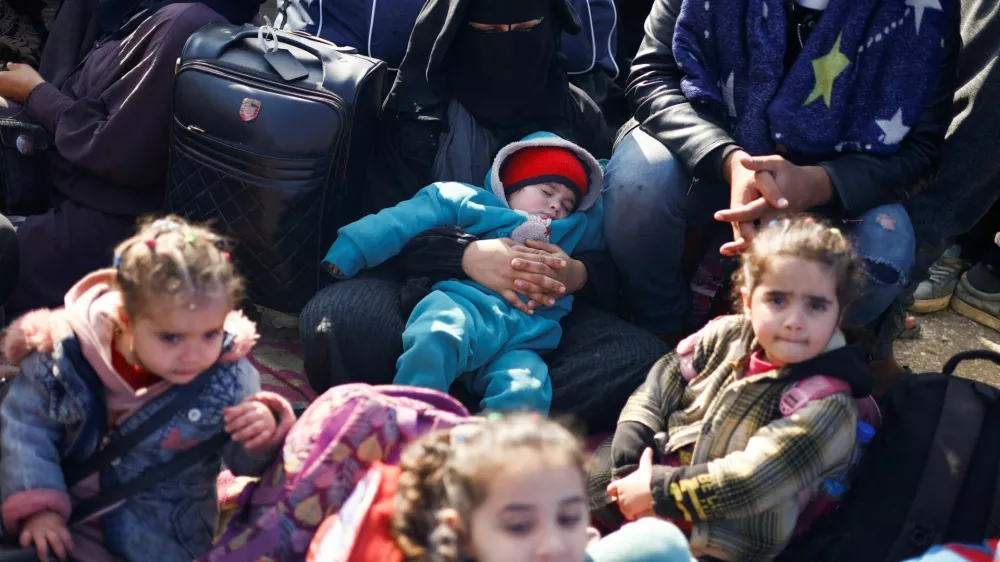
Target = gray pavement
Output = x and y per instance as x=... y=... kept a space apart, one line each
x=944 y=334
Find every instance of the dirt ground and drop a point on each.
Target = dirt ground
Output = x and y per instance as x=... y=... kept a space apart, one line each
x=944 y=334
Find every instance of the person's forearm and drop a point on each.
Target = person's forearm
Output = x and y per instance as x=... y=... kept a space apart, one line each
x=437 y=254
x=659 y=105
x=600 y=281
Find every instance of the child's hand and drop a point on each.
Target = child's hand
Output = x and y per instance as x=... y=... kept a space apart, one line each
x=334 y=269
x=251 y=424
x=633 y=493
x=47 y=529
x=593 y=536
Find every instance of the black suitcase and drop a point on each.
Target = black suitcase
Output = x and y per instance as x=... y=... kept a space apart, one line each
x=270 y=161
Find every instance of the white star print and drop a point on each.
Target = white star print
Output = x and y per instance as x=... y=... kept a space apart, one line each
x=894 y=128
x=728 y=95
x=919 y=6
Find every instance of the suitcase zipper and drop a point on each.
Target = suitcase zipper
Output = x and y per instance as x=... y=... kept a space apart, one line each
x=265 y=82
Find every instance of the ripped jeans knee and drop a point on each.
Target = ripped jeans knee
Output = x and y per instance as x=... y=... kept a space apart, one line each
x=884 y=239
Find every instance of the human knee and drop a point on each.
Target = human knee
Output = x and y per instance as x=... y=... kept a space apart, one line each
x=643 y=176
x=330 y=311
x=886 y=243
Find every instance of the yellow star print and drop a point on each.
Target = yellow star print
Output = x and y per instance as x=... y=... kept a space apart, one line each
x=826 y=70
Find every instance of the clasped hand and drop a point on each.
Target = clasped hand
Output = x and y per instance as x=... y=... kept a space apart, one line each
x=764 y=188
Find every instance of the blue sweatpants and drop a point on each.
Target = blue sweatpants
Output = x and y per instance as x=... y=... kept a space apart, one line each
x=458 y=330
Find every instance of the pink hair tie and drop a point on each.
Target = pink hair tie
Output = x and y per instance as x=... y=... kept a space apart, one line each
x=151 y=243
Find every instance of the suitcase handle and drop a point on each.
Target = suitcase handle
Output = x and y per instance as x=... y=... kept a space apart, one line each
x=952 y=363
x=303 y=43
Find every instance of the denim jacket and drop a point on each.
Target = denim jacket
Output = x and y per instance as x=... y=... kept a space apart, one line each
x=51 y=418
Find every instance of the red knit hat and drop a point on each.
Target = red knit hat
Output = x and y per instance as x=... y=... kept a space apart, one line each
x=541 y=164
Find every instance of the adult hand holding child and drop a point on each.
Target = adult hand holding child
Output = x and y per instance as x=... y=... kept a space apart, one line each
x=541 y=272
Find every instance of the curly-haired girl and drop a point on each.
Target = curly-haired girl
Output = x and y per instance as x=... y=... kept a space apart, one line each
x=161 y=319
x=508 y=488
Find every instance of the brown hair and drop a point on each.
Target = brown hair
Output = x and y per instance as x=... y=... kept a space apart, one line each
x=807 y=238
x=170 y=258
x=452 y=470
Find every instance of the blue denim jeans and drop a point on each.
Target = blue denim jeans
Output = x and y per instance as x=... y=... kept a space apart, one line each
x=646 y=540
x=649 y=205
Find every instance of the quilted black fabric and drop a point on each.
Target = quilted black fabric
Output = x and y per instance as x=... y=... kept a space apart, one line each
x=268 y=160
x=277 y=231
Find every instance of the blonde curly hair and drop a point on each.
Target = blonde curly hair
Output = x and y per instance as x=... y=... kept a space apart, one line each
x=451 y=470
x=174 y=259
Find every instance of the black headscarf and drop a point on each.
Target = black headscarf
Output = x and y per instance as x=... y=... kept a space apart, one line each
x=118 y=18
x=502 y=78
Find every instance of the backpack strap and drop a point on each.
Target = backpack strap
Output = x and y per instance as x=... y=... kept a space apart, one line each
x=948 y=459
x=114 y=449
x=110 y=498
x=809 y=389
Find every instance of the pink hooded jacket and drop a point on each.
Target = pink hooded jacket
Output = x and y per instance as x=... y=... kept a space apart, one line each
x=90 y=309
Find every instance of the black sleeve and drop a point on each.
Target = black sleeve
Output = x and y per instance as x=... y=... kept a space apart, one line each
x=436 y=254
x=601 y=289
x=864 y=181
x=694 y=135
x=587 y=126
x=432 y=256
x=630 y=440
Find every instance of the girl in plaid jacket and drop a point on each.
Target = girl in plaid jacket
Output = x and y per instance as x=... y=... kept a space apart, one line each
x=730 y=468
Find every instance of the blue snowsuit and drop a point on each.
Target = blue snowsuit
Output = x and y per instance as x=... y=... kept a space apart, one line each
x=461 y=327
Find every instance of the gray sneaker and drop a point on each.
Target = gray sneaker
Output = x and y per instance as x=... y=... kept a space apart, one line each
x=976 y=305
x=934 y=294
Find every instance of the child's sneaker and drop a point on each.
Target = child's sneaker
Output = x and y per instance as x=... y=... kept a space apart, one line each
x=934 y=294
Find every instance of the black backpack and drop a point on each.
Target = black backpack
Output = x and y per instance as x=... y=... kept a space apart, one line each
x=930 y=476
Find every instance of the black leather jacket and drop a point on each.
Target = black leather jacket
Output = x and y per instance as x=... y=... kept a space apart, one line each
x=701 y=142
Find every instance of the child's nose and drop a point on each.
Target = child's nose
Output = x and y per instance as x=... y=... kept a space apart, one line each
x=553 y=547
x=794 y=319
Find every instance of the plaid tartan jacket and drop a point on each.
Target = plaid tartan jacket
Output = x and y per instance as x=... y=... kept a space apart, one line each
x=739 y=484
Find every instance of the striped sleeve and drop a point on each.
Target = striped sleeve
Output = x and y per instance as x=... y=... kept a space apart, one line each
x=783 y=457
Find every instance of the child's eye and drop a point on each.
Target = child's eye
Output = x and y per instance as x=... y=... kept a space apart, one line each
x=212 y=334
x=170 y=338
x=818 y=306
x=776 y=298
x=569 y=520
x=519 y=527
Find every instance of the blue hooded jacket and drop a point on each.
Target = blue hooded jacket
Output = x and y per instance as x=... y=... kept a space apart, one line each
x=480 y=211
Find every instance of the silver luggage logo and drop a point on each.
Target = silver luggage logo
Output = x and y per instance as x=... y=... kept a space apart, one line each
x=249 y=109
